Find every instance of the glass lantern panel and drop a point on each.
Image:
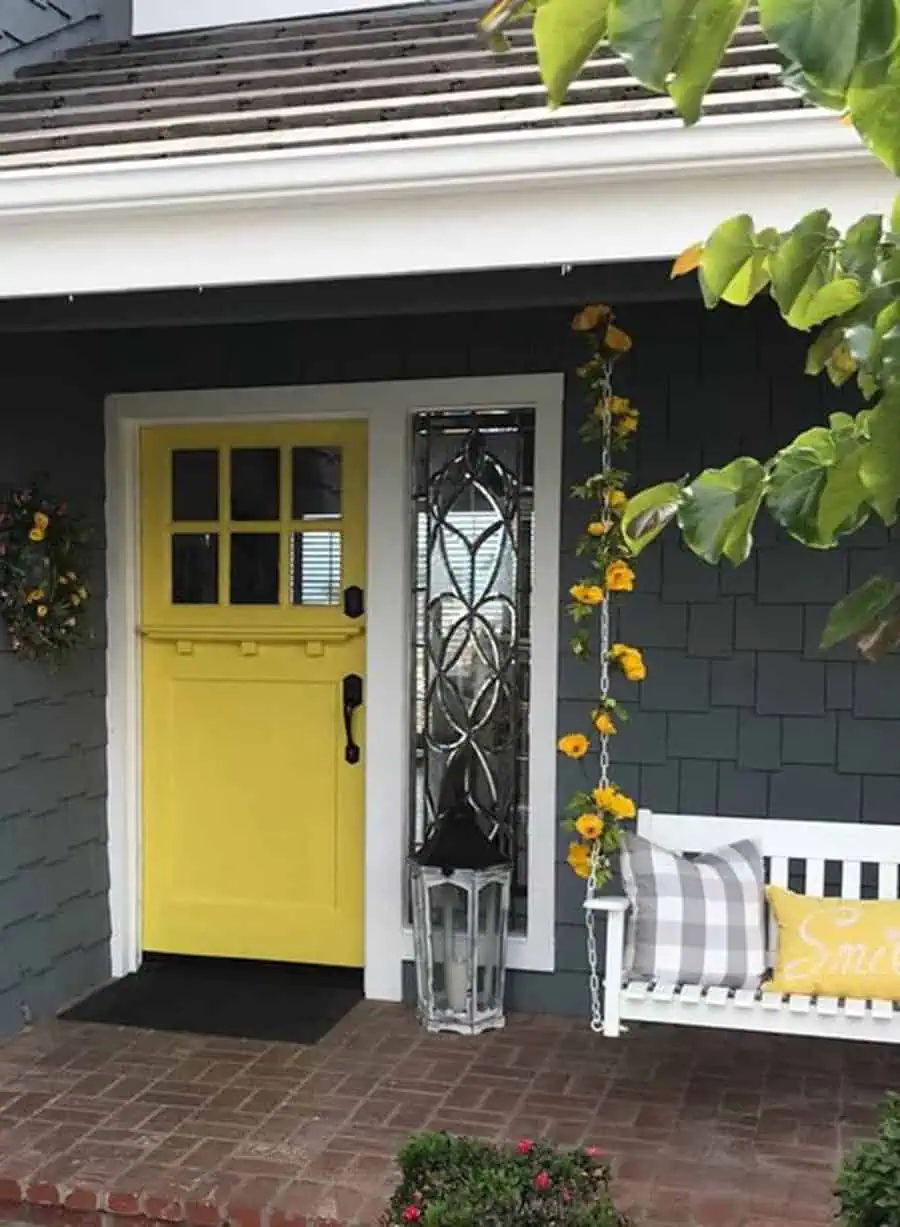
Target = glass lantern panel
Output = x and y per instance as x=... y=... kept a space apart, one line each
x=451 y=946
x=490 y=949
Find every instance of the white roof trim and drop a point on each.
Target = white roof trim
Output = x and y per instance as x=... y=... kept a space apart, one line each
x=475 y=201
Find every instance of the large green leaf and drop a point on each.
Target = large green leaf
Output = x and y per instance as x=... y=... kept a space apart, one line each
x=726 y=253
x=828 y=38
x=815 y=490
x=895 y=219
x=718 y=509
x=796 y=265
x=648 y=35
x=648 y=512
x=859 y=250
x=714 y=23
x=565 y=34
x=829 y=100
x=880 y=465
x=843 y=504
x=859 y=610
x=873 y=98
x=834 y=298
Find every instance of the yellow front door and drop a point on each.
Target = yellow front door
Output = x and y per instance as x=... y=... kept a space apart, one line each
x=252 y=576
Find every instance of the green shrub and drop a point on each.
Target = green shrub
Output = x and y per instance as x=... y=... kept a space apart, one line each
x=451 y=1181
x=868 y=1183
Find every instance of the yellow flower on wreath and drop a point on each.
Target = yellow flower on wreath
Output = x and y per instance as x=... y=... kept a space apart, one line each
x=588 y=318
x=604 y=724
x=619 y=577
x=620 y=405
x=617 y=340
x=36 y=594
x=37 y=534
x=617 y=500
x=586 y=594
x=579 y=860
x=627 y=424
x=629 y=660
x=589 y=826
x=574 y=745
x=598 y=528
x=41 y=521
x=612 y=801
x=42 y=611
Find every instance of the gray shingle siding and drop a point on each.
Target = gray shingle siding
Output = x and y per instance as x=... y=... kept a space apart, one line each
x=54 y=916
x=35 y=31
x=717 y=728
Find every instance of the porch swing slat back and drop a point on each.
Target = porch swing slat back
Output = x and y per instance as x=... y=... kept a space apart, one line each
x=849 y=861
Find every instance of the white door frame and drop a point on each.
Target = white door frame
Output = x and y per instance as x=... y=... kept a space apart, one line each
x=387 y=406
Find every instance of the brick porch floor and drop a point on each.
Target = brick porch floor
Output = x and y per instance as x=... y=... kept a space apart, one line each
x=712 y=1129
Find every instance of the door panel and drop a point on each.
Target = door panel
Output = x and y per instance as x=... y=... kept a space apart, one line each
x=252 y=815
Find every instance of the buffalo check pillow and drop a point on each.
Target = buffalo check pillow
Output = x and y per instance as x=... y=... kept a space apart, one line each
x=695 y=920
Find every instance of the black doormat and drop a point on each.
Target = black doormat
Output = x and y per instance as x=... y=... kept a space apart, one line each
x=233 y=997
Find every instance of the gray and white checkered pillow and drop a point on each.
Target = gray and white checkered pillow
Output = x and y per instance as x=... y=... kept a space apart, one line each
x=695 y=920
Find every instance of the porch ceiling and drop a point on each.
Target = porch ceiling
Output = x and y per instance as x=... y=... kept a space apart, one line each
x=372 y=76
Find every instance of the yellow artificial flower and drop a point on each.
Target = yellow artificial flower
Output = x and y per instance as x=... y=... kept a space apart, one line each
x=617 y=340
x=41 y=611
x=611 y=801
x=619 y=405
x=574 y=745
x=589 y=826
x=627 y=424
x=604 y=723
x=82 y=592
x=617 y=499
x=619 y=577
x=71 y=575
x=579 y=860
x=629 y=660
x=75 y=598
x=598 y=528
x=586 y=594
x=589 y=317
x=34 y=595
x=40 y=520
x=36 y=534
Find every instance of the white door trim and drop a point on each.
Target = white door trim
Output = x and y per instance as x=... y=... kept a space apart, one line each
x=387 y=406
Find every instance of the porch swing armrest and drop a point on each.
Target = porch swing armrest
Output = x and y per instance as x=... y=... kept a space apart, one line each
x=607 y=903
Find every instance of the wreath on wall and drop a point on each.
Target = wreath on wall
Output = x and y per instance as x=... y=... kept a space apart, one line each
x=43 y=594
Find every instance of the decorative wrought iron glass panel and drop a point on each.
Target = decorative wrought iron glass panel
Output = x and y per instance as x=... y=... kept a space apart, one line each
x=473 y=488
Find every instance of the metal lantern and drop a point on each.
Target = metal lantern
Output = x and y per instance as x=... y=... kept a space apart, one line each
x=460 y=898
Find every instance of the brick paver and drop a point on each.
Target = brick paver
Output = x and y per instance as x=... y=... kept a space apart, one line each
x=713 y=1129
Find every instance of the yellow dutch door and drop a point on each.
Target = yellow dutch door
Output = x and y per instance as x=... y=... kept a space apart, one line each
x=253 y=560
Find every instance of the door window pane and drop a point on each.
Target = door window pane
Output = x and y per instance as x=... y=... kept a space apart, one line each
x=255 y=483
x=195 y=484
x=316 y=483
x=195 y=568
x=316 y=569
x=254 y=568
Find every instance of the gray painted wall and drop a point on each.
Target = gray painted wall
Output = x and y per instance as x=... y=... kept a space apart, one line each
x=740 y=714
x=34 y=31
x=53 y=877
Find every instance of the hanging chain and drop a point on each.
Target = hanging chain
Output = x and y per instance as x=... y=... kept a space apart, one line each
x=605 y=396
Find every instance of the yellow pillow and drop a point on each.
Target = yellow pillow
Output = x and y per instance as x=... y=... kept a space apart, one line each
x=836 y=947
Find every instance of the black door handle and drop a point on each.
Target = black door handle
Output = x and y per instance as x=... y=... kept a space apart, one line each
x=353 y=697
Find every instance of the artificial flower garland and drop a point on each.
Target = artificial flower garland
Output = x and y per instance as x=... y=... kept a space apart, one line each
x=594 y=814
x=43 y=595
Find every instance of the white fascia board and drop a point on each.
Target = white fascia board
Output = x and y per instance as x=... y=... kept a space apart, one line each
x=500 y=201
x=165 y=16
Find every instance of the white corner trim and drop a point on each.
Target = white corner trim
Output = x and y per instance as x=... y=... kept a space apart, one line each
x=388 y=407
x=381 y=208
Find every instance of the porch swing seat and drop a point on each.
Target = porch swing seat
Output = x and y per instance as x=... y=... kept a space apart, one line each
x=795 y=854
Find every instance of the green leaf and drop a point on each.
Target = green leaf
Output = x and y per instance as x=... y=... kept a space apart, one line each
x=843 y=504
x=796 y=79
x=714 y=22
x=815 y=491
x=873 y=99
x=797 y=261
x=834 y=298
x=895 y=218
x=880 y=465
x=648 y=35
x=828 y=38
x=857 y=611
x=718 y=509
x=565 y=35
x=859 y=250
x=822 y=348
x=648 y=513
x=727 y=251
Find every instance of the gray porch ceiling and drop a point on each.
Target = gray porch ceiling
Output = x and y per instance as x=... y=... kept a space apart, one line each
x=373 y=76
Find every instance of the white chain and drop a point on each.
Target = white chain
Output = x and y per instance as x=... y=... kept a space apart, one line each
x=605 y=391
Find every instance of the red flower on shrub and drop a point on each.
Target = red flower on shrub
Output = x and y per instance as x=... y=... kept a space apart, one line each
x=526 y=1146
x=542 y=1182
x=412 y=1214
